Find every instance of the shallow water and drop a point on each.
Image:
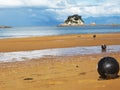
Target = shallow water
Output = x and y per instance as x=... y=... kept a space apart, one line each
x=17 y=32
x=35 y=54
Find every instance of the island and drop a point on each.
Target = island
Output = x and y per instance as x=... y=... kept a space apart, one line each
x=5 y=26
x=74 y=20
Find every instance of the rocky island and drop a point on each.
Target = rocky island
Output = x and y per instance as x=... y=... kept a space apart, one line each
x=5 y=26
x=74 y=20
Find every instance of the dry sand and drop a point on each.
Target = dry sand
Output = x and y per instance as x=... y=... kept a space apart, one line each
x=57 y=73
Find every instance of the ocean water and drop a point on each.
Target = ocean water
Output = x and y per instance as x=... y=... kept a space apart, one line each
x=35 y=54
x=16 y=32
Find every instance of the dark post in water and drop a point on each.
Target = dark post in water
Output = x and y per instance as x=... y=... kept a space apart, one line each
x=103 y=47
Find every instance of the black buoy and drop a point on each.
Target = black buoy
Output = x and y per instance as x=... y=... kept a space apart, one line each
x=94 y=36
x=108 y=68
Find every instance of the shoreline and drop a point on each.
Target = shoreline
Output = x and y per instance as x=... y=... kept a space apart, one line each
x=83 y=25
x=62 y=41
x=55 y=35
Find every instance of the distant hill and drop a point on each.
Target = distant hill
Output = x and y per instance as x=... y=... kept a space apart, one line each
x=25 y=17
x=103 y=20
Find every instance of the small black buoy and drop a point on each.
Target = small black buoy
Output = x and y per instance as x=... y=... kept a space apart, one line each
x=94 y=36
x=108 y=68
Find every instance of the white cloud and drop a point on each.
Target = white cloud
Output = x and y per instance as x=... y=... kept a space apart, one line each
x=45 y=3
x=104 y=8
x=68 y=7
x=6 y=3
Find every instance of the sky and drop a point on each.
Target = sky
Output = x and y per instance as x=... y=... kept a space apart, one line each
x=53 y=12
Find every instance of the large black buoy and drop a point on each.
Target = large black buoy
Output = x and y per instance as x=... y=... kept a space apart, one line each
x=108 y=68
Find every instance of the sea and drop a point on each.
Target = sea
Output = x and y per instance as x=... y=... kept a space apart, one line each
x=20 y=32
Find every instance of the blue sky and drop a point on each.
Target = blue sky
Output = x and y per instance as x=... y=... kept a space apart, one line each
x=53 y=12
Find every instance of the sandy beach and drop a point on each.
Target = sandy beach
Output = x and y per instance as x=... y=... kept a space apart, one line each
x=37 y=43
x=54 y=72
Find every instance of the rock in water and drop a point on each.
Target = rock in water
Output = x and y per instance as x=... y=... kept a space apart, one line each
x=108 y=68
x=74 y=20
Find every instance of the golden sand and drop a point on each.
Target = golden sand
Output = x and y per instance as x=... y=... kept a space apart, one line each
x=36 y=43
x=57 y=73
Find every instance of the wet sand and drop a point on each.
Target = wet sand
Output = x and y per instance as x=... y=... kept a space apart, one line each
x=57 y=73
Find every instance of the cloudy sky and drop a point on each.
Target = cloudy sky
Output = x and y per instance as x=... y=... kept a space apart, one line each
x=53 y=12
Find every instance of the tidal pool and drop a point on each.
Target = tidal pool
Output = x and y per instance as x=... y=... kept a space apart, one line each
x=35 y=54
